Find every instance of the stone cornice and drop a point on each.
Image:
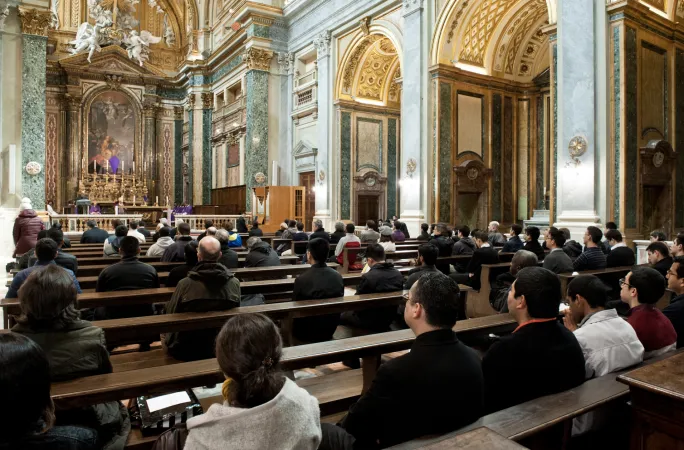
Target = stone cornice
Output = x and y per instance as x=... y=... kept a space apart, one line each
x=33 y=21
x=454 y=74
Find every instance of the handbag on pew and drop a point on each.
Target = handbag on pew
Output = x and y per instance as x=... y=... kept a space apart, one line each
x=163 y=412
x=173 y=439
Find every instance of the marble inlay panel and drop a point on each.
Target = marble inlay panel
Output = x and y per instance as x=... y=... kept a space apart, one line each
x=207 y=163
x=554 y=89
x=178 y=162
x=368 y=144
x=541 y=162
x=523 y=158
x=653 y=102
x=33 y=117
x=632 y=132
x=261 y=31
x=256 y=143
x=167 y=164
x=391 y=167
x=679 y=144
x=233 y=155
x=445 y=144
x=172 y=94
x=508 y=155
x=191 y=132
x=470 y=129
x=617 y=117
x=496 y=155
x=51 y=157
x=226 y=68
x=345 y=166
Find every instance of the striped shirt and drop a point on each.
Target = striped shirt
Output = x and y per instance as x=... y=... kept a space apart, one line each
x=592 y=258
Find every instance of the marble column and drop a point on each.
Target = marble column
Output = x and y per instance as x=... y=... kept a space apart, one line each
x=72 y=149
x=576 y=180
x=147 y=166
x=177 y=155
x=286 y=63
x=323 y=180
x=190 y=159
x=34 y=26
x=414 y=185
x=258 y=63
x=207 y=160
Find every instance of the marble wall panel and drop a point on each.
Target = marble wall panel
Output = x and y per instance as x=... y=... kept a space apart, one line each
x=617 y=117
x=523 y=163
x=631 y=128
x=653 y=107
x=33 y=117
x=497 y=114
x=191 y=132
x=445 y=166
x=256 y=143
x=507 y=162
x=233 y=155
x=470 y=124
x=554 y=90
x=679 y=143
x=226 y=68
x=178 y=161
x=51 y=156
x=369 y=144
x=540 y=153
x=207 y=163
x=233 y=176
x=345 y=166
x=392 y=152
x=166 y=189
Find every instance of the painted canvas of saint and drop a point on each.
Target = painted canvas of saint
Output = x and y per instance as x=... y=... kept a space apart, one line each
x=111 y=134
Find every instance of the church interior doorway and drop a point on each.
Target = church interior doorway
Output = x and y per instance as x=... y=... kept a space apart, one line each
x=307 y=179
x=368 y=208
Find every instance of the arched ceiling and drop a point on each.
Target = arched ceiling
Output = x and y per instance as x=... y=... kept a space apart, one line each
x=370 y=73
x=501 y=38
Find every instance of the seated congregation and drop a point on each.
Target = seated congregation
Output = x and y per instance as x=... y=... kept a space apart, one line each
x=567 y=326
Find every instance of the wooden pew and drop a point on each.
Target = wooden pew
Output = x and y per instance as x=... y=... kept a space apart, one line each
x=149 y=381
x=478 y=301
x=529 y=420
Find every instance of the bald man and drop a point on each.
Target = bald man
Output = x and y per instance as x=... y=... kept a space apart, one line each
x=209 y=286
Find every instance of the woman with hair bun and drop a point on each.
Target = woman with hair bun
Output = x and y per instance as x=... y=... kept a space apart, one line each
x=262 y=408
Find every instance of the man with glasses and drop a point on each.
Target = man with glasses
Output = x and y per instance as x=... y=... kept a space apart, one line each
x=675 y=310
x=641 y=289
x=424 y=385
x=541 y=355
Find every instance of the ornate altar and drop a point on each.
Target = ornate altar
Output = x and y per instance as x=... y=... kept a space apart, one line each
x=107 y=189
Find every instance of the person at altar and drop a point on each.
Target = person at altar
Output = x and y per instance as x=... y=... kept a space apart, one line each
x=114 y=160
x=95 y=209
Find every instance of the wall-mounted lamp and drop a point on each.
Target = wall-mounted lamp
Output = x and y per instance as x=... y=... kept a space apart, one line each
x=576 y=148
x=321 y=177
x=411 y=166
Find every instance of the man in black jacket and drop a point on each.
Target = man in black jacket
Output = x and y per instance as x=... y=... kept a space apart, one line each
x=229 y=257
x=619 y=254
x=485 y=254
x=319 y=232
x=66 y=260
x=393 y=411
x=126 y=275
x=208 y=223
x=424 y=234
x=176 y=251
x=658 y=256
x=142 y=230
x=382 y=277
x=427 y=258
x=464 y=246
x=675 y=310
x=444 y=244
x=319 y=282
x=532 y=242
x=93 y=235
x=544 y=356
x=514 y=243
x=260 y=254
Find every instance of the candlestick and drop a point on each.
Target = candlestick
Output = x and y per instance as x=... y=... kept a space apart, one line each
x=107 y=165
x=167 y=200
x=156 y=199
x=133 y=199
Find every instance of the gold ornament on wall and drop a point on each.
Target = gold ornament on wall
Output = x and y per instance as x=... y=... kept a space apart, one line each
x=411 y=166
x=34 y=21
x=207 y=100
x=576 y=148
x=257 y=59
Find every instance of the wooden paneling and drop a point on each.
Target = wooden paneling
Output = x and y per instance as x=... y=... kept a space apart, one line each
x=229 y=200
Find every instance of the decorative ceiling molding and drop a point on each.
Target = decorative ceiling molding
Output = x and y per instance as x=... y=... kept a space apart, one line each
x=480 y=29
x=353 y=61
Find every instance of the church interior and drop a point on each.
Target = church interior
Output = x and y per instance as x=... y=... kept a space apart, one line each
x=538 y=113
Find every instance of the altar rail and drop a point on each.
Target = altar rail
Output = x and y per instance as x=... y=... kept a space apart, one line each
x=77 y=222
x=196 y=222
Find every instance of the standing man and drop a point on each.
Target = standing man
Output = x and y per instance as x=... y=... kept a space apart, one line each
x=592 y=258
x=557 y=261
x=93 y=235
x=675 y=310
x=318 y=282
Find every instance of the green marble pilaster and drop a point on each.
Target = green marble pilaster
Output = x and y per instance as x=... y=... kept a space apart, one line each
x=496 y=154
x=679 y=133
x=207 y=160
x=632 y=132
x=191 y=124
x=391 y=167
x=541 y=162
x=256 y=139
x=33 y=117
x=554 y=89
x=345 y=166
x=617 y=114
x=444 y=165
x=178 y=161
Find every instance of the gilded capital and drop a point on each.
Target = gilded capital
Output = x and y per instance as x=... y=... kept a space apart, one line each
x=257 y=59
x=322 y=43
x=34 y=21
x=150 y=111
x=191 y=101
x=178 y=112
x=207 y=100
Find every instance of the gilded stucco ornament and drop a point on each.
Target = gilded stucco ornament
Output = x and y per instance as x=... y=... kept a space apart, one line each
x=33 y=168
x=576 y=148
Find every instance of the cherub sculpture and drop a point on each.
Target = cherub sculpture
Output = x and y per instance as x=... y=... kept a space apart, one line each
x=87 y=38
x=169 y=35
x=138 y=46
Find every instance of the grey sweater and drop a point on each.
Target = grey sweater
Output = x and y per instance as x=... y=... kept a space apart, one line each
x=290 y=421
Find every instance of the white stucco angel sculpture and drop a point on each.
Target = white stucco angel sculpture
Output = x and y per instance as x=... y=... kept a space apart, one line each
x=169 y=35
x=138 y=46
x=87 y=38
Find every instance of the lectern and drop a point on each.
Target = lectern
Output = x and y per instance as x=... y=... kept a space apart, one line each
x=277 y=203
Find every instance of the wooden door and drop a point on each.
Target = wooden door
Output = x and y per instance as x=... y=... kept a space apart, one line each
x=307 y=179
x=367 y=209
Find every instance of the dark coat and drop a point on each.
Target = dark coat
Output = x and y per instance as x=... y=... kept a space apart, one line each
x=498 y=295
x=94 y=236
x=382 y=277
x=513 y=245
x=229 y=257
x=485 y=255
x=621 y=256
x=66 y=260
x=535 y=247
x=336 y=236
x=424 y=236
x=262 y=255
x=675 y=312
x=126 y=275
x=465 y=246
x=241 y=225
x=450 y=397
x=26 y=228
x=176 y=274
x=300 y=236
x=445 y=246
x=415 y=274
x=544 y=358
x=145 y=232
x=319 y=282
x=208 y=287
x=320 y=234
x=256 y=232
x=572 y=248
x=176 y=251
x=663 y=265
